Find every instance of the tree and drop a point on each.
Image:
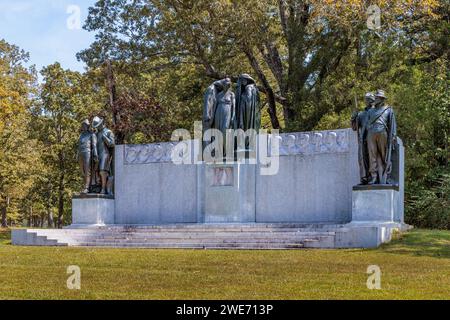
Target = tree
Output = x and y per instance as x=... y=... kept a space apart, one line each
x=57 y=122
x=17 y=154
x=292 y=46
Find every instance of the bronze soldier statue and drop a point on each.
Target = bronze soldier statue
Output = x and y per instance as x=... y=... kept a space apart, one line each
x=359 y=124
x=248 y=104
x=381 y=137
x=105 y=147
x=248 y=113
x=225 y=114
x=209 y=107
x=210 y=104
x=87 y=154
x=219 y=110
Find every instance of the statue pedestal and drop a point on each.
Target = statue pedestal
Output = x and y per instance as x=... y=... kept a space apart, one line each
x=230 y=193
x=376 y=203
x=92 y=210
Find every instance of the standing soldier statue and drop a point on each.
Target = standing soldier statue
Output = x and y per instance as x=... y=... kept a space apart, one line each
x=247 y=104
x=248 y=113
x=105 y=147
x=381 y=136
x=359 y=124
x=87 y=154
x=219 y=110
x=209 y=108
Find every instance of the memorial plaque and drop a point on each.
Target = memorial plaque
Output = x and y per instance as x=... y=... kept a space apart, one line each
x=223 y=177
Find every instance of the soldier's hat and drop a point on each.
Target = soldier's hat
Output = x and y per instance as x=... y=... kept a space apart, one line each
x=86 y=122
x=97 y=122
x=380 y=94
x=247 y=76
x=370 y=95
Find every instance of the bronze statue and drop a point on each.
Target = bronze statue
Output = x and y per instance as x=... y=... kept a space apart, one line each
x=105 y=147
x=210 y=104
x=381 y=137
x=225 y=114
x=225 y=109
x=359 y=124
x=209 y=107
x=219 y=111
x=87 y=155
x=248 y=104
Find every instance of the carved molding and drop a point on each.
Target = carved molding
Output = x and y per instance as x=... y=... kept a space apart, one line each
x=311 y=143
x=155 y=153
x=297 y=143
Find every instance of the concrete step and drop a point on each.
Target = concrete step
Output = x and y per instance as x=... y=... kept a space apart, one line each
x=221 y=227
x=256 y=236
x=193 y=234
x=189 y=245
x=209 y=240
x=184 y=233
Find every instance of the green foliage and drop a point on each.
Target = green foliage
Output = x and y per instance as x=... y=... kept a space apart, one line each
x=422 y=98
x=19 y=159
x=64 y=103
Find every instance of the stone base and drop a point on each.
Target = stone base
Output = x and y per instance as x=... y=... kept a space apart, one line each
x=92 y=210
x=368 y=234
x=229 y=193
x=376 y=203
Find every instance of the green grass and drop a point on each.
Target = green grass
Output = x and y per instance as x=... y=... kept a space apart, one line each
x=416 y=266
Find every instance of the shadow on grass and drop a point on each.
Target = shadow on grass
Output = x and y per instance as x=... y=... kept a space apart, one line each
x=432 y=243
x=5 y=236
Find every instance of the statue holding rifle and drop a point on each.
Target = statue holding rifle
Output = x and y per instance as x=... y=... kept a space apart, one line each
x=381 y=139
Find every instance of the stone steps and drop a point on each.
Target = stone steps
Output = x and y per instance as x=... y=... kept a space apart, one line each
x=214 y=227
x=252 y=236
x=189 y=245
x=188 y=235
x=207 y=240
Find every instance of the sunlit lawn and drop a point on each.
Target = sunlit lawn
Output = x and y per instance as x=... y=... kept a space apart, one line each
x=416 y=266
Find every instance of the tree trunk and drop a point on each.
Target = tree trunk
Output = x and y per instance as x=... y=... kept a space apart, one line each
x=267 y=87
x=30 y=218
x=49 y=217
x=112 y=91
x=61 y=200
x=4 y=223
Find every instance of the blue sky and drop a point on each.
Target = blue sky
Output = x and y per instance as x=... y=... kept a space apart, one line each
x=40 y=27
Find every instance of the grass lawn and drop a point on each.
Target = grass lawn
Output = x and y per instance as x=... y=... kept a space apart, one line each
x=416 y=266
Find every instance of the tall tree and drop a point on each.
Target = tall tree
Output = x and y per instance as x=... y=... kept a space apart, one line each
x=17 y=84
x=57 y=122
x=292 y=46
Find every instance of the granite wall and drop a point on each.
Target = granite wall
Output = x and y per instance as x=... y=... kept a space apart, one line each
x=314 y=183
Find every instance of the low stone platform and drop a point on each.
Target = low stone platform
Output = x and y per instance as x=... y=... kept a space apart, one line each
x=215 y=236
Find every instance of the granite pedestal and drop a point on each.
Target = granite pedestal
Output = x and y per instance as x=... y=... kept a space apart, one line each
x=92 y=210
x=229 y=193
x=377 y=203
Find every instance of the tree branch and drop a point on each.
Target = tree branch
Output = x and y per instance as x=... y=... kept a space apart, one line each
x=268 y=88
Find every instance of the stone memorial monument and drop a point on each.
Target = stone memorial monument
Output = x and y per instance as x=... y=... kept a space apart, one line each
x=303 y=190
